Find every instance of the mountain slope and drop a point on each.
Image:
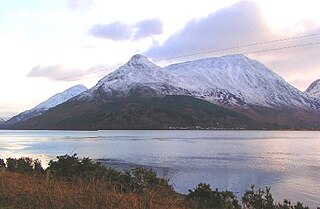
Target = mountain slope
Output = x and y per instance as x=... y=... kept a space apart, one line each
x=232 y=80
x=314 y=89
x=46 y=105
x=138 y=113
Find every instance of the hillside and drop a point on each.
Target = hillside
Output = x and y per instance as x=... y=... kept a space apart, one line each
x=138 y=113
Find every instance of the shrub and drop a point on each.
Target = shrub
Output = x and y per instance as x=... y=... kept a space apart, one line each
x=287 y=205
x=11 y=164
x=259 y=199
x=24 y=165
x=71 y=167
x=37 y=167
x=138 y=179
x=203 y=197
x=2 y=164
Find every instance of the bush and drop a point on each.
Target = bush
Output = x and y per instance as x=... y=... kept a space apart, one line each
x=37 y=167
x=71 y=167
x=24 y=165
x=259 y=199
x=287 y=205
x=204 y=197
x=2 y=164
x=138 y=179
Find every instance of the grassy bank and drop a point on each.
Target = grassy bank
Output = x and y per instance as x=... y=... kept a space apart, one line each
x=70 y=182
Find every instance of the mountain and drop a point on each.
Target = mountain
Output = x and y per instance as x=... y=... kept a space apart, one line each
x=233 y=80
x=244 y=92
x=314 y=89
x=46 y=105
x=166 y=112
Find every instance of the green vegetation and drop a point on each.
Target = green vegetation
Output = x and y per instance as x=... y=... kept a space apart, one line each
x=139 y=113
x=22 y=165
x=70 y=182
x=204 y=197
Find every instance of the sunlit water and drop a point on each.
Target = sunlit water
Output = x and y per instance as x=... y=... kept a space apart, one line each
x=287 y=161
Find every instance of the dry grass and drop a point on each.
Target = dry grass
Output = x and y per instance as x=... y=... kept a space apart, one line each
x=35 y=191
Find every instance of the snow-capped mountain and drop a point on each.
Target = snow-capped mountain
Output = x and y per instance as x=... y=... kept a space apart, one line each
x=314 y=89
x=232 y=80
x=46 y=105
x=142 y=95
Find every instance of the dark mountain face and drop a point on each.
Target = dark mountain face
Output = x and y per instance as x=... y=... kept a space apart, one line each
x=139 y=113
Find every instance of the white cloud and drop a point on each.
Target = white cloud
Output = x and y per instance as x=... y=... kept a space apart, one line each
x=148 y=27
x=116 y=31
x=120 y=31
x=60 y=73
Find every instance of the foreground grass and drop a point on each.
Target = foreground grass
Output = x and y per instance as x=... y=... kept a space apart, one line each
x=33 y=191
x=72 y=183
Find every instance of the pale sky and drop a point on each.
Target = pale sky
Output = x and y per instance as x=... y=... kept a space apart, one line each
x=47 y=46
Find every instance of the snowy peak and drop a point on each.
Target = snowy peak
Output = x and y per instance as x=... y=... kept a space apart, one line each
x=60 y=97
x=46 y=105
x=314 y=89
x=234 y=57
x=140 y=62
x=138 y=74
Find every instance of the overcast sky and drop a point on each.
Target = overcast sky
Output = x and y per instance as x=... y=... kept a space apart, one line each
x=48 y=46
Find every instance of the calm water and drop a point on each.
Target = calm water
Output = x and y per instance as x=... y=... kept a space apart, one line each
x=287 y=161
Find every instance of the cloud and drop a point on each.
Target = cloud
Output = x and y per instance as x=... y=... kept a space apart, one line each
x=120 y=31
x=241 y=24
x=60 y=73
x=116 y=31
x=234 y=25
x=148 y=28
